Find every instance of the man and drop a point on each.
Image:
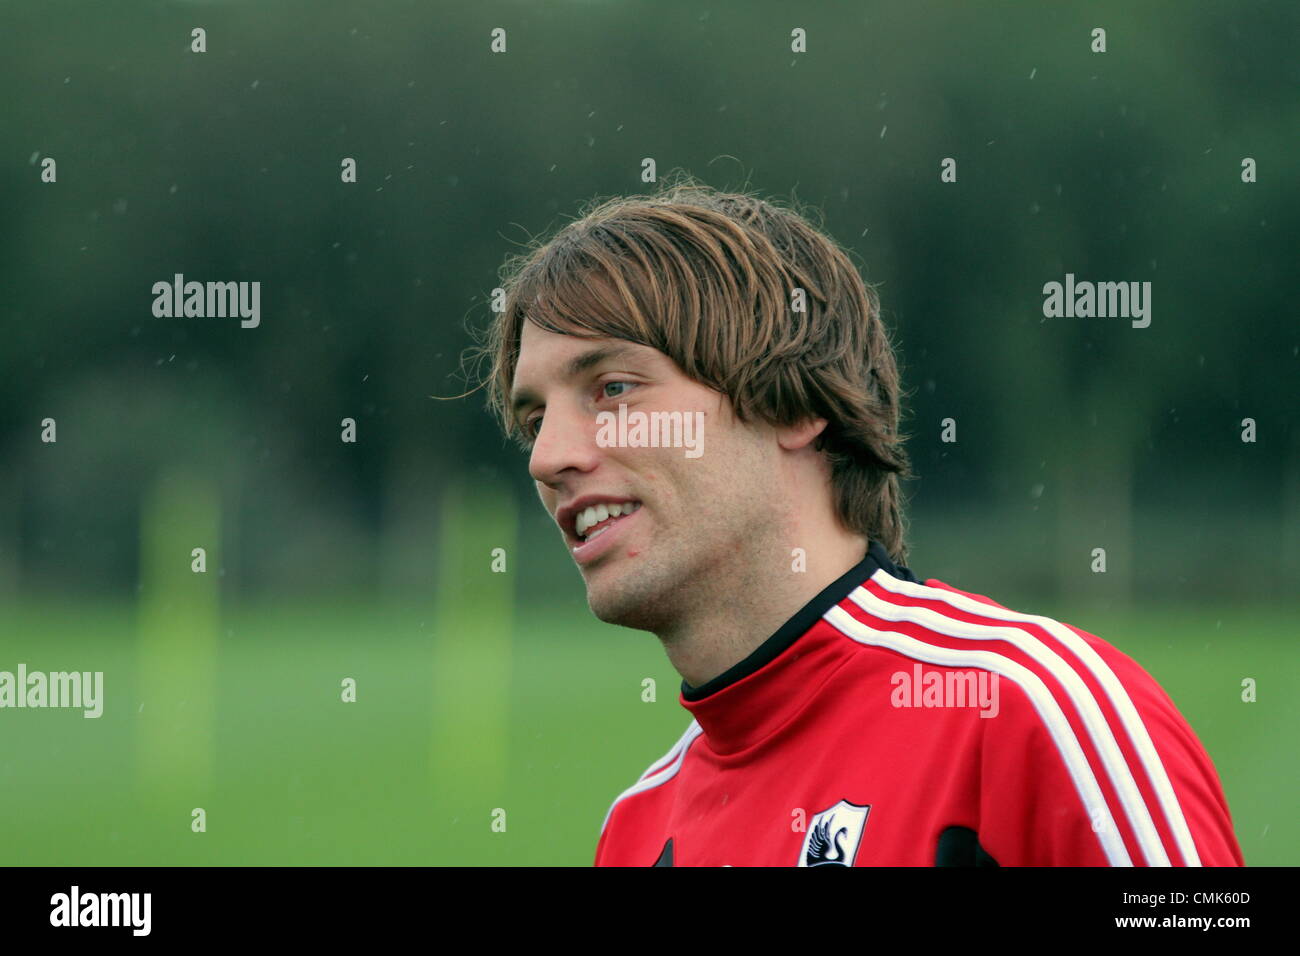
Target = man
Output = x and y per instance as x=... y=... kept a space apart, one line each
x=844 y=711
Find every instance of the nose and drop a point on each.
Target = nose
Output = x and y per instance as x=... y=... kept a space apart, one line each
x=566 y=440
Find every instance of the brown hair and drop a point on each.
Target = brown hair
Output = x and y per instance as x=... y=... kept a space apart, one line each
x=707 y=278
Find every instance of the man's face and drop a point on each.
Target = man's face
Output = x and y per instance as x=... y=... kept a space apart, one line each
x=693 y=521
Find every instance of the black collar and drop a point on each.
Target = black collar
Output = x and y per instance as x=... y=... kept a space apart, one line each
x=803 y=619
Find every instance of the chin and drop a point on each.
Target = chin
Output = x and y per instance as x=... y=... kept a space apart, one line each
x=616 y=605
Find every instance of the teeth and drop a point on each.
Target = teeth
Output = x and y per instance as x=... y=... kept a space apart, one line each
x=598 y=513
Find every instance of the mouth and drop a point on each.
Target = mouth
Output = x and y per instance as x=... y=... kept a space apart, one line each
x=591 y=521
x=596 y=528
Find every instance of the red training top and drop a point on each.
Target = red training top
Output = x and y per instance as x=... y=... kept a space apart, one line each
x=892 y=722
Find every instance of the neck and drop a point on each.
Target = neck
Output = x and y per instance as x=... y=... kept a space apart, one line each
x=715 y=635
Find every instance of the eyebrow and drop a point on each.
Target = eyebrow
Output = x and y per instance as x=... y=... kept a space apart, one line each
x=575 y=367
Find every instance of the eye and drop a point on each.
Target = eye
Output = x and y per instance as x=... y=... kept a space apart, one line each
x=605 y=394
x=531 y=427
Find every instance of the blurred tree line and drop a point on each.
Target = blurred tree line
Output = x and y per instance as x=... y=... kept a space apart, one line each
x=225 y=165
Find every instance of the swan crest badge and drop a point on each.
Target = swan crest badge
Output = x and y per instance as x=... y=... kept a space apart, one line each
x=834 y=835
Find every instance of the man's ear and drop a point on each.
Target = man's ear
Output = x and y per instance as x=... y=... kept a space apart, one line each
x=801 y=434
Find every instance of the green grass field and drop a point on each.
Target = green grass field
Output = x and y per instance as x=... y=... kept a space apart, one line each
x=287 y=773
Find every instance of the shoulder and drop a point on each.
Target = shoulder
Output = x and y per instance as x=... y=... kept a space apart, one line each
x=635 y=815
x=936 y=622
x=1072 y=708
x=658 y=773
